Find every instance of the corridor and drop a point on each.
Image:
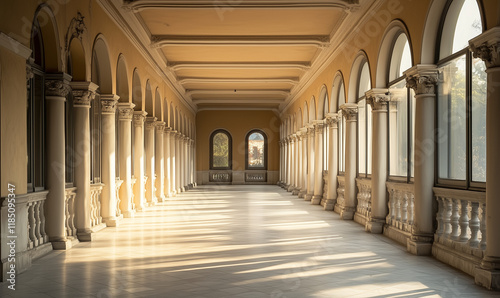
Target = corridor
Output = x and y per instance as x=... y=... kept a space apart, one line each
x=239 y=241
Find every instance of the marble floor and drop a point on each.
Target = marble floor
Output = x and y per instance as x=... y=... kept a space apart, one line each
x=239 y=241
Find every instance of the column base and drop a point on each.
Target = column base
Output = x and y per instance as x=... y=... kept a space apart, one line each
x=329 y=204
x=346 y=213
x=296 y=191
x=375 y=226
x=190 y=186
x=487 y=278
x=182 y=189
x=66 y=244
x=89 y=235
x=129 y=214
x=308 y=197
x=290 y=188
x=112 y=221
x=419 y=245
x=302 y=193
x=316 y=199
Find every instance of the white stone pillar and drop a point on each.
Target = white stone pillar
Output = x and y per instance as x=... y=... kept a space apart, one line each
x=280 y=181
x=178 y=165
x=310 y=162
x=298 y=161
x=287 y=178
x=423 y=79
x=83 y=94
x=333 y=166
x=293 y=139
x=318 y=160
x=139 y=161
x=378 y=99
x=56 y=89
x=186 y=163
x=487 y=47
x=303 y=161
x=191 y=163
x=159 y=169
x=125 y=114
x=173 y=163
x=350 y=111
x=166 y=164
x=149 y=142
x=108 y=151
x=182 y=163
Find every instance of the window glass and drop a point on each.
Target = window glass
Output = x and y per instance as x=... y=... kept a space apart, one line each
x=256 y=150
x=478 y=121
x=220 y=147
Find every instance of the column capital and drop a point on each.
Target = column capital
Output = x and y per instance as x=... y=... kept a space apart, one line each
x=160 y=126
x=422 y=78
x=83 y=93
x=350 y=111
x=377 y=98
x=150 y=122
x=109 y=102
x=487 y=47
x=139 y=117
x=332 y=119
x=57 y=84
x=310 y=129
x=318 y=125
x=167 y=129
x=125 y=110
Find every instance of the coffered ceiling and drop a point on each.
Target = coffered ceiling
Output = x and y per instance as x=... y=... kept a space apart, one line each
x=222 y=54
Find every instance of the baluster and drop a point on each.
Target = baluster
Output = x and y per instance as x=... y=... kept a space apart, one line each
x=99 y=217
x=440 y=217
x=42 y=222
x=66 y=214
x=404 y=211
x=411 y=208
x=464 y=221
x=482 y=228
x=397 y=196
x=31 y=226
x=447 y=217
x=390 y=205
x=38 y=233
x=455 y=217
x=92 y=207
x=474 y=224
x=72 y=222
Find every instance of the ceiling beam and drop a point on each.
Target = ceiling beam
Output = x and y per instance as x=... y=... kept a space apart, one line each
x=292 y=81
x=259 y=92
x=175 y=66
x=138 y=5
x=158 y=41
x=237 y=101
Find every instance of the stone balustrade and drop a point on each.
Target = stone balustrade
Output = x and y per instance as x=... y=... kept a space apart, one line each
x=340 y=194
x=36 y=221
x=118 y=184
x=95 y=205
x=364 y=197
x=325 y=188
x=69 y=210
x=401 y=213
x=460 y=237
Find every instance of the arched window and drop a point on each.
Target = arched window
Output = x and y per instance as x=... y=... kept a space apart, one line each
x=364 y=123
x=341 y=128
x=256 y=150
x=220 y=150
x=461 y=100
x=401 y=111
x=326 y=136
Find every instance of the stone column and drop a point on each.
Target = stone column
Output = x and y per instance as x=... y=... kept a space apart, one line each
x=173 y=163
x=333 y=167
x=149 y=142
x=378 y=99
x=303 y=161
x=298 y=184
x=191 y=163
x=293 y=138
x=280 y=181
x=310 y=162
x=83 y=94
x=487 y=47
x=186 y=163
x=108 y=194
x=423 y=79
x=166 y=159
x=139 y=173
x=56 y=89
x=287 y=163
x=182 y=163
x=318 y=162
x=125 y=114
x=178 y=154
x=159 y=169
x=350 y=111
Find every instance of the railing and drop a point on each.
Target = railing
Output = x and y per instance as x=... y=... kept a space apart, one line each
x=95 y=204
x=132 y=184
x=401 y=206
x=364 y=206
x=36 y=220
x=341 y=191
x=220 y=177
x=118 y=184
x=69 y=211
x=461 y=220
x=255 y=177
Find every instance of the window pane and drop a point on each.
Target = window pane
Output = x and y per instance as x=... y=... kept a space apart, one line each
x=398 y=130
x=220 y=150
x=478 y=121
x=468 y=25
x=452 y=120
x=255 y=150
x=362 y=136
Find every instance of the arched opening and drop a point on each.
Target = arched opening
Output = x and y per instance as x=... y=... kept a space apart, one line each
x=256 y=150
x=220 y=150
x=148 y=99
x=137 y=91
x=122 y=85
x=157 y=108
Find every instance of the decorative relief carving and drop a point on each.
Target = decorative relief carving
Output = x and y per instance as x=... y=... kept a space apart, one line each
x=377 y=101
x=332 y=121
x=150 y=122
x=76 y=29
x=422 y=84
x=139 y=118
x=350 y=111
x=490 y=54
x=108 y=105
x=83 y=97
x=56 y=88
x=318 y=126
x=125 y=113
x=160 y=126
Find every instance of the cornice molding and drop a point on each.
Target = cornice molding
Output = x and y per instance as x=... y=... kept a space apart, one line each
x=14 y=46
x=175 y=66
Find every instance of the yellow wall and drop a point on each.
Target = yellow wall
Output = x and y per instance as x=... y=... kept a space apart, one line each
x=238 y=124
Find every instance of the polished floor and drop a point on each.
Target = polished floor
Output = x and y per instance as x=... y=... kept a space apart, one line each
x=240 y=241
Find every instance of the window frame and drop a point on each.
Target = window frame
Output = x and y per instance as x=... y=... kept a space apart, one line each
x=368 y=148
x=230 y=150
x=247 y=167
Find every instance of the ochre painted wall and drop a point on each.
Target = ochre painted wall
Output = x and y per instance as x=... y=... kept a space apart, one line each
x=238 y=124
